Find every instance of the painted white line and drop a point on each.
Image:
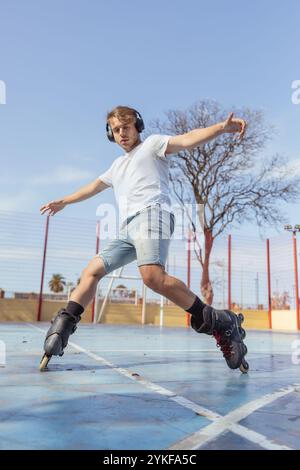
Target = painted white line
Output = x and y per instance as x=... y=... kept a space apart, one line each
x=203 y=436
x=256 y=438
x=150 y=385
x=146 y=383
x=220 y=423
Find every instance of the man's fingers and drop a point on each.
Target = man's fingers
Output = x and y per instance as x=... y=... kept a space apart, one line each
x=230 y=116
x=244 y=125
x=44 y=209
x=49 y=207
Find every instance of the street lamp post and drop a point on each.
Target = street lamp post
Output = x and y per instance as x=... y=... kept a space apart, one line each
x=256 y=282
x=294 y=231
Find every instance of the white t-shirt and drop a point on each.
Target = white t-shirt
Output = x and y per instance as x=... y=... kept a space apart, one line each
x=141 y=177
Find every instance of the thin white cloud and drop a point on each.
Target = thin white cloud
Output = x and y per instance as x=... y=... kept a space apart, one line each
x=61 y=174
x=75 y=158
x=21 y=201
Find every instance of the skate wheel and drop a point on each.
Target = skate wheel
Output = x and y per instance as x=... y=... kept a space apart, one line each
x=241 y=317
x=244 y=367
x=44 y=362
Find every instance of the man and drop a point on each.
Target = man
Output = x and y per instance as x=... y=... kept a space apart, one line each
x=140 y=178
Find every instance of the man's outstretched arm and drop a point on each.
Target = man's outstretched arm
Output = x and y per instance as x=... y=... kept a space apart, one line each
x=83 y=193
x=198 y=137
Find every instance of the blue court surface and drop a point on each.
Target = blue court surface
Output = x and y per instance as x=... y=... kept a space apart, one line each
x=133 y=387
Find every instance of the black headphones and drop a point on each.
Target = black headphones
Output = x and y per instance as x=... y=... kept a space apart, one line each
x=139 y=125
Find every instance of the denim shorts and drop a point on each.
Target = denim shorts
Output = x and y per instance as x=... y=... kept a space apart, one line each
x=145 y=236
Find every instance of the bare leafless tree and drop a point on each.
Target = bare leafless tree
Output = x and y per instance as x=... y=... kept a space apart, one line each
x=232 y=178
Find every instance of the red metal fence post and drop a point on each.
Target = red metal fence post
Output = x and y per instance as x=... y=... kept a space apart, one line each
x=229 y=272
x=97 y=251
x=269 y=284
x=39 y=311
x=296 y=279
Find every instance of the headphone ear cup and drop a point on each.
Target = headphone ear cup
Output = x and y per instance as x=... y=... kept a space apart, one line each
x=109 y=133
x=139 y=123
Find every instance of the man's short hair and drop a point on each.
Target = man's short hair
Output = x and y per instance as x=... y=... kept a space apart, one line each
x=123 y=113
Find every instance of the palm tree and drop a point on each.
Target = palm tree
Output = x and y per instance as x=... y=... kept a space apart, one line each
x=57 y=283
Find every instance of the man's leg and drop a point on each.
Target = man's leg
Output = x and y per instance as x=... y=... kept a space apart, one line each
x=83 y=294
x=155 y=277
x=117 y=253
x=152 y=251
x=86 y=289
x=177 y=291
x=224 y=325
x=64 y=323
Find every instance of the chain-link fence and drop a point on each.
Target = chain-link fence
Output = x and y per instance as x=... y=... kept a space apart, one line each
x=42 y=259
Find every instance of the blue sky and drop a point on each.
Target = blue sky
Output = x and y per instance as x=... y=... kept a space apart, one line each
x=65 y=63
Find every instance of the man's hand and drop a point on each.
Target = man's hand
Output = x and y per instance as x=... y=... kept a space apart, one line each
x=52 y=207
x=234 y=125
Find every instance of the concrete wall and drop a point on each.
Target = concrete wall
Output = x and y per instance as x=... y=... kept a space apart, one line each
x=255 y=319
x=284 y=320
x=18 y=310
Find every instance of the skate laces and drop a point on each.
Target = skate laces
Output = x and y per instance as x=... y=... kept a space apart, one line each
x=223 y=343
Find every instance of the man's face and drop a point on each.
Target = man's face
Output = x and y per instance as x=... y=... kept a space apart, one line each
x=125 y=133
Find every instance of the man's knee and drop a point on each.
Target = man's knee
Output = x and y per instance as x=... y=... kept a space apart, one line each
x=95 y=268
x=153 y=277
